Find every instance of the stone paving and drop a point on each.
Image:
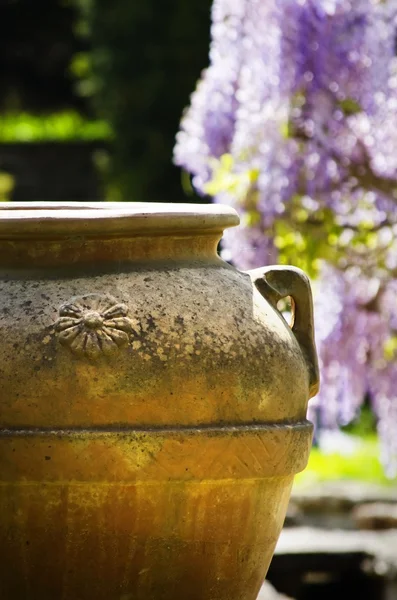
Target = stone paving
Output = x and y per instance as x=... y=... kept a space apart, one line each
x=340 y=534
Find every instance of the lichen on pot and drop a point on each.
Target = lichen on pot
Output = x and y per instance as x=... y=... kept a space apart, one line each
x=152 y=397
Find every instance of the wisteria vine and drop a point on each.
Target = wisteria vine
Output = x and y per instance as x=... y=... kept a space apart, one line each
x=295 y=124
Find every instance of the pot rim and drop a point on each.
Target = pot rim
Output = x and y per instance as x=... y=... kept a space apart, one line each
x=98 y=219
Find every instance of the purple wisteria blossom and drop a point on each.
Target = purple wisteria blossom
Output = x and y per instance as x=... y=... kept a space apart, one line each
x=301 y=96
x=356 y=320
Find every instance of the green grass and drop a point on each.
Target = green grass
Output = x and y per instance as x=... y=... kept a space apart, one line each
x=57 y=127
x=363 y=464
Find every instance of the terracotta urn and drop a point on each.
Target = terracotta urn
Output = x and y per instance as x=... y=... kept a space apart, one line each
x=153 y=404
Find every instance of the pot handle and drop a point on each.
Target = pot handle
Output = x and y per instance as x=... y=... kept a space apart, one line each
x=277 y=282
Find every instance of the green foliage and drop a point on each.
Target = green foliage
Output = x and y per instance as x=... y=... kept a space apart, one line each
x=6 y=186
x=304 y=237
x=363 y=464
x=365 y=424
x=350 y=106
x=143 y=64
x=59 y=127
x=225 y=179
x=390 y=348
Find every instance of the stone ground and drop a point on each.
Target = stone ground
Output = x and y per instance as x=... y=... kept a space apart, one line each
x=268 y=592
x=339 y=541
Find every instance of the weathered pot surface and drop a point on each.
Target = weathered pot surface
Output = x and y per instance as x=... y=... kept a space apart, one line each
x=153 y=404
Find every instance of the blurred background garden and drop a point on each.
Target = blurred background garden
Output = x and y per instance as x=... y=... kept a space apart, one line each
x=294 y=123
x=107 y=83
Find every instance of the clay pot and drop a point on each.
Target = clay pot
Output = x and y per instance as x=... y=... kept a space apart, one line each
x=153 y=404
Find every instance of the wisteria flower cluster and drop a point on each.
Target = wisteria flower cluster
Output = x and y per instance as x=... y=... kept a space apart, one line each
x=295 y=124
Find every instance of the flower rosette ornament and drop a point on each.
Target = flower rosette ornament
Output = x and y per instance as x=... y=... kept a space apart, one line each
x=93 y=325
